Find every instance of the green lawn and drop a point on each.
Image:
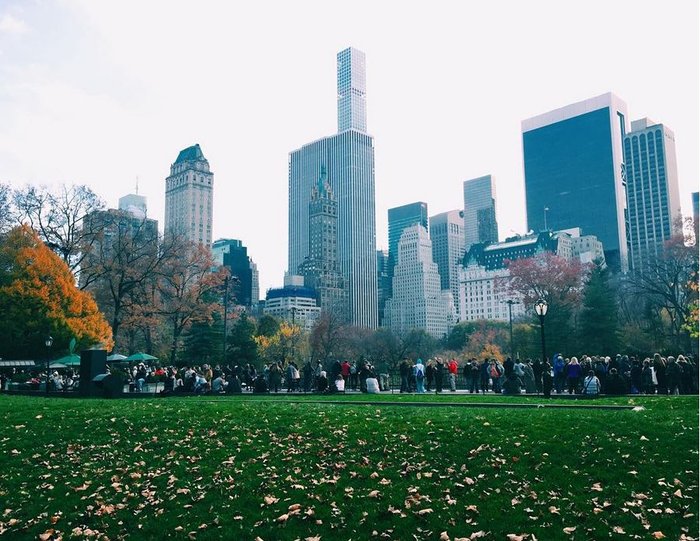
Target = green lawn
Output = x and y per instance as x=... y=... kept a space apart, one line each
x=239 y=468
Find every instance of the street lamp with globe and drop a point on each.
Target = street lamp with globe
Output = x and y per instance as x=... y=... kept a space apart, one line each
x=541 y=311
x=48 y=342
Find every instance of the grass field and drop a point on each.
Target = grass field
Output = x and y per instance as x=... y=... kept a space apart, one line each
x=237 y=468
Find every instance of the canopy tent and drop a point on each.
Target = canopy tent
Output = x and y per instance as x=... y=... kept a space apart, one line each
x=141 y=357
x=17 y=364
x=57 y=366
x=69 y=360
x=116 y=357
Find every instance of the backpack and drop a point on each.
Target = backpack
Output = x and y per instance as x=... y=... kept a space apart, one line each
x=419 y=371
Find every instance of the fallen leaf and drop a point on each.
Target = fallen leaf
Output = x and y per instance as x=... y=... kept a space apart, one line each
x=658 y=535
x=570 y=529
x=424 y=511
x=618 y=529
x=514 y=537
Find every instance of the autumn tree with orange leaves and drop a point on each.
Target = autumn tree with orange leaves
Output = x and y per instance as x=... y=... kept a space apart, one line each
x=38 y=297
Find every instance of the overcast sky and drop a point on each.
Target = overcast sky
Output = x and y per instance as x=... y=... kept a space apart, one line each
x=101 y=92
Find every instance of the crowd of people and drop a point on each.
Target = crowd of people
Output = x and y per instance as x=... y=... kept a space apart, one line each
x=589 y=375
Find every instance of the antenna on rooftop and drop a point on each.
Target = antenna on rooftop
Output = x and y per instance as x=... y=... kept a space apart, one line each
x=137 y=184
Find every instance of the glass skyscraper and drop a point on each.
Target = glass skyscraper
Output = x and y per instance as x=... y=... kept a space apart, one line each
x=575 y=174
x=480 y=211
x=348 y=158
x=653 y=201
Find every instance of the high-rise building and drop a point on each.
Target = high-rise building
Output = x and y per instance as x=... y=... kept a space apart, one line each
x=383 y=281
x=400 y=218
x=418 y=301
x=134 y=204
x=653 y=201
x=696 y=216
x=320 y=267
x=447 y=236
x=294 y=302
x=188 y=197
x=480 y=211
x=352 y=91
x=349 y=161
x=575 y=174
x=232 y=254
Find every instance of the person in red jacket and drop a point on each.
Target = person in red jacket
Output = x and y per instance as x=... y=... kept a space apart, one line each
x=345 y=370
x=452 y=367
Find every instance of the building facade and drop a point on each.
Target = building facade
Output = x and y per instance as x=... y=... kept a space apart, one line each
x=483 y=294
x=447 y=236
x=294 y=303
x=653 y=201
x=189 y=196
x=320 y=268
x=418 y=301
x=575 y=173
x=232 y=254
x=383 y=282
x=480 y=223
x=348 y=158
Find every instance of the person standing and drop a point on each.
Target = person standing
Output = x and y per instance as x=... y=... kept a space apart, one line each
x=439 y=374
x=547 y=379
x=429 y=375
x=419 y=374
x=452 y=368
x=403 y=373
x=573 y=373
x=591 y=385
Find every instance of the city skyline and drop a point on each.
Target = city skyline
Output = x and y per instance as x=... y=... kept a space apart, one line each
x=73 y=78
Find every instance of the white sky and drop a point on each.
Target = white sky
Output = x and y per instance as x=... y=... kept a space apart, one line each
x=102 y=91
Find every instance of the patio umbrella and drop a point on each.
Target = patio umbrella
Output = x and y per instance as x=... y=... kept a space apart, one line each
x=141 y=357
x=116 y=357
x=69 y=360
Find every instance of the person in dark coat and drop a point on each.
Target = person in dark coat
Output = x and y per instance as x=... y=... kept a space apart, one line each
x=547 y=379
x=429 y=375
x=616 y=384
x=439 y=373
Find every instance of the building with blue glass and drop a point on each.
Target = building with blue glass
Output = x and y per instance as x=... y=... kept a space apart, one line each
x=575 y=174
x=653 y=200
x=348 y=158
x=480 y=223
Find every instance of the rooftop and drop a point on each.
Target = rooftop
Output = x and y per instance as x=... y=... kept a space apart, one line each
x=190 y=154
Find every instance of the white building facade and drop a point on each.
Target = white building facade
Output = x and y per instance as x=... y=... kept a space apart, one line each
x=447 y=236
x=189 y=197
x=418 y=301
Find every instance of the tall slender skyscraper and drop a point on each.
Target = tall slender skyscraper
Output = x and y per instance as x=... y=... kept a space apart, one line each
x=188 y=197
x=575 y=174
x=349 y=161
x=447 y=236
x=653 y=201
x=480 y=211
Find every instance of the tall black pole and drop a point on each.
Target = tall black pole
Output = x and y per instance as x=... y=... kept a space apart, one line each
x=48 y=360
x=510 y=319
x=544 y=353
x=225 y=317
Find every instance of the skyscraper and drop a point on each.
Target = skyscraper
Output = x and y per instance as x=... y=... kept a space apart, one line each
x=232 y=254
x=480 y=211
x=320 y=267
x=418 y=302
x=349 y=161
x=653 y=201
x=574 y=172
x=188 y=197
x=447 y=236
x=696 y=218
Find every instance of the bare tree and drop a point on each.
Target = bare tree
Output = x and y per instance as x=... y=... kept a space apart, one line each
x=5 y=207
x=59 y=217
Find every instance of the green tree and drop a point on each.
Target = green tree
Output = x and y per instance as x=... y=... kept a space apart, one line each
x=268 y=326
x=203 y=341
x=598 y=322
x=241 y=347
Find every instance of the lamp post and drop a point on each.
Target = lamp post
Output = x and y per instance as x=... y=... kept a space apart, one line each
x=541 y=311
x=510 y=303
x=223 y=360
x=48 y=342
x=545 y=220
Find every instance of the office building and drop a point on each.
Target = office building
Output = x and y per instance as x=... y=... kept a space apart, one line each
x=696 y=217
x=232 y=254
x=348 y=158
x=383 y=281
x=320 y=268
x=447 y=236
x=653 y=201
x=418 y=301
x=575 y=174
x=480 y=211
x=294 y=303
x=400 y=218
x=188 y=197
x=134 y=204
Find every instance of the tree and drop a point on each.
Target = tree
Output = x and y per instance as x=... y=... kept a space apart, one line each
x=123 y=265
x=559 y=282
x=38 y=297
x=598 y=322
x=203 y=341
x=267 y=326
x=667 y=282
x=241 y=347
x=283 y=346
x=186 y=285
x=58 y=218
x=326 y=335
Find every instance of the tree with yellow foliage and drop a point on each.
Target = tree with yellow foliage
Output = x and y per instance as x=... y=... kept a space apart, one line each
x=39 y=297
